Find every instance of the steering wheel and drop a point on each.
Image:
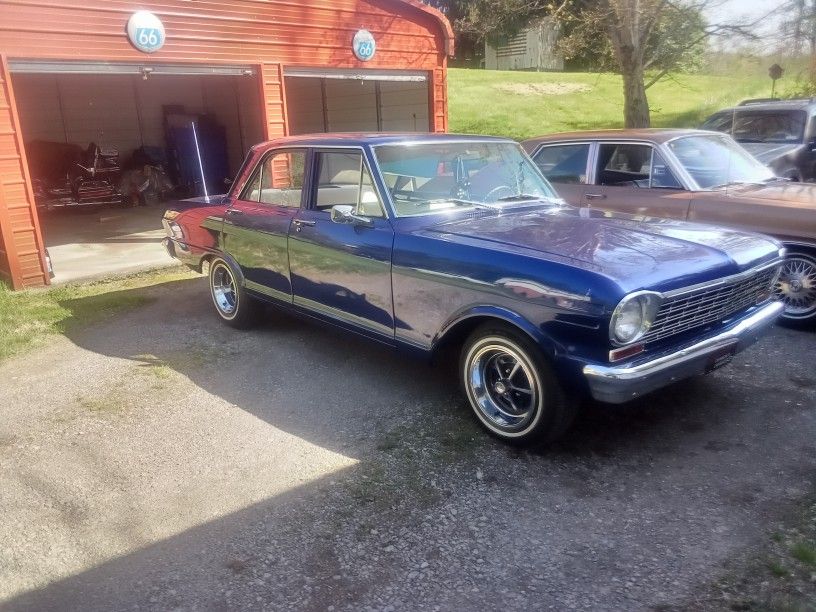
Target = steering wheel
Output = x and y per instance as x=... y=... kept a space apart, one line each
x=497 y=190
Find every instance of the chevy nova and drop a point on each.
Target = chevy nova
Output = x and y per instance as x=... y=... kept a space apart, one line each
x=433 y=243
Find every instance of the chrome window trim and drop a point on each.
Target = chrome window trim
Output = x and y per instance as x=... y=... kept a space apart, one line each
x=697 y=134
x=429 y=141
x=259 y=169
x=566 y=143
x=315 y=150
x=674 y=165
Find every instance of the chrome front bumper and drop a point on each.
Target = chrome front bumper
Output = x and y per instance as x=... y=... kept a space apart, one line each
x=618 y=384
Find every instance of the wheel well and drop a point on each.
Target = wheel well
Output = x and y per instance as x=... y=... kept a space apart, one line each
x=455 y=337
x=206 y=259
x=793 y=247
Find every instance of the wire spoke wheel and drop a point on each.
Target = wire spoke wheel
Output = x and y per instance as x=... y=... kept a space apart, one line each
x=796 y=286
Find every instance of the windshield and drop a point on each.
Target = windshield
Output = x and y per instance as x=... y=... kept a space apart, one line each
x=428 y=178
x=717 y=161
x=760 y=125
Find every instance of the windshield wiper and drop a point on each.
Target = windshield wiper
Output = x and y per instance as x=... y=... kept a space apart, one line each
x=519 y=197
x=454 y=201
x=735 y=184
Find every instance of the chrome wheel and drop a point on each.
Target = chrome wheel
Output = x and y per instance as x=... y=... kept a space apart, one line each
x=502 y=386
x=224 y=294
x=797 y=286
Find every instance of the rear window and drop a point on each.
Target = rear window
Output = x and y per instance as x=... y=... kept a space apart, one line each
x=779 y=126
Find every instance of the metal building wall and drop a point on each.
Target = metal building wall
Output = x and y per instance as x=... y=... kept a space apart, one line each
x=267 y=34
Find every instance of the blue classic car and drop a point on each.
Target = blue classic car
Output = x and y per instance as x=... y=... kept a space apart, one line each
x=433 y=243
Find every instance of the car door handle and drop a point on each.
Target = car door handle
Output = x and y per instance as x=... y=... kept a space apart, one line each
x=595 y=196
x=299 y=223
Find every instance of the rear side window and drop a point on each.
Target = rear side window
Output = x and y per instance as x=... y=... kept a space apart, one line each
x=278 y=180
x=564 y=164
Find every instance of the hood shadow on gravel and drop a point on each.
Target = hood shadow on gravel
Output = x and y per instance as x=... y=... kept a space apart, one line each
x=360 y=399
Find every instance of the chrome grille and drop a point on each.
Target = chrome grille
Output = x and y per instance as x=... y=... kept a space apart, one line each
x=711 y=304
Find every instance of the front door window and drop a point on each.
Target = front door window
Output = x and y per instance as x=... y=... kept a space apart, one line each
x=343 y=178
x=633 y=165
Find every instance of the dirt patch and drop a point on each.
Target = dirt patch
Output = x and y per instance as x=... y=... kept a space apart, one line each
x=543 y=89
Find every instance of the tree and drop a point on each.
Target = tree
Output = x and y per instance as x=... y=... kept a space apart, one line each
x=636 y=35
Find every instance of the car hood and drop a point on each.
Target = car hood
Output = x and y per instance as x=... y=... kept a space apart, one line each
x=637 y=253
x=767 y=152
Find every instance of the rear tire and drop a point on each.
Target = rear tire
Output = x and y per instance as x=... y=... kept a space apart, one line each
x=797 y=288
x=233 y=304
x=511 y=389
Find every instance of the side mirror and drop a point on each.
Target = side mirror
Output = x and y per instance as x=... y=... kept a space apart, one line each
x=344 y=213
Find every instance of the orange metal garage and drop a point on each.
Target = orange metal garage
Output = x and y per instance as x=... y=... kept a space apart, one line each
x=267 y=68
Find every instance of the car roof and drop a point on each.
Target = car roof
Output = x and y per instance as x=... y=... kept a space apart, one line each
x=657 y=135
x=373 y=139
x=765 y=104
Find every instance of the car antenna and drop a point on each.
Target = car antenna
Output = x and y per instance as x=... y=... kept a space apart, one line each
x=200 y=163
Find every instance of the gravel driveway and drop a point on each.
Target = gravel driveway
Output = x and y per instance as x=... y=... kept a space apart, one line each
x=162 y=461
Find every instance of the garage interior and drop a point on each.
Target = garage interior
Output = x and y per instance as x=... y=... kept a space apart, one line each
x=122 y=107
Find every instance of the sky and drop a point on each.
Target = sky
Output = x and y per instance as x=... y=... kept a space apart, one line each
x=746 y=10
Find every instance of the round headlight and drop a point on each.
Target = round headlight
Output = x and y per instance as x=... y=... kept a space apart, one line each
x=633 y=317
x=628 y=323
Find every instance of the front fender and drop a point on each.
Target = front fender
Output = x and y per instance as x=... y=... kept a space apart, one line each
x=467 y=315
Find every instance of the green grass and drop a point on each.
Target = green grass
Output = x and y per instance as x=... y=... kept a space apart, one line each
x=27 y=318
x=804 y=552
x=525 y=104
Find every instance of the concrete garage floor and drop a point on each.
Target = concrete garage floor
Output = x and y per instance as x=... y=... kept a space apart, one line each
x=112 y=241
x=162 y=461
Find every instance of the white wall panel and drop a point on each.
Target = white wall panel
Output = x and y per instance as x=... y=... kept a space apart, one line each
x=100 y=111
x=158 y=91
x=221 y=100
x=39 y=107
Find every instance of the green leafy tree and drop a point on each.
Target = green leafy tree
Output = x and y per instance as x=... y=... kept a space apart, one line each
x=633 y=36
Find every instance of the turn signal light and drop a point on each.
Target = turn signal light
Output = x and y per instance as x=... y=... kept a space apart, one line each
x=626 y=351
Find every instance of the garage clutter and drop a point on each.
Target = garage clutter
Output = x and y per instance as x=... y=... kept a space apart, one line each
x=193 y=162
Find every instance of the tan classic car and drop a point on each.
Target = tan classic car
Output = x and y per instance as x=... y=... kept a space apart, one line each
x=693 y=175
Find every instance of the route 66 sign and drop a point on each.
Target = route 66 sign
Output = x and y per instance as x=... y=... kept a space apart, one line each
x=364 y=45
x=145 y=32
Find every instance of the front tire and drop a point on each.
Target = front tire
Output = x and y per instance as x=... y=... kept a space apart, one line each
x=511 y=389
x=232 y=303
x=797 y=288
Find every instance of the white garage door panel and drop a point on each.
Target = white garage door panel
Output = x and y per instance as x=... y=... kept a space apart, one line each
x=351 y=106
x=404 y=107
x=304 y=99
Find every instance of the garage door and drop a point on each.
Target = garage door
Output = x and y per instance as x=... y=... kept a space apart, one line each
x=349 y=101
